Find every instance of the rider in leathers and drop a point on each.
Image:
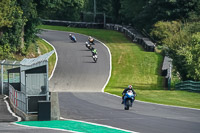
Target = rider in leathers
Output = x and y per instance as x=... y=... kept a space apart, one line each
x=130 y=87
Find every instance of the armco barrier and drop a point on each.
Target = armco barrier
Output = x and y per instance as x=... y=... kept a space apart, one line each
x=129 y=31
x=166 y=71
x=188 y=85
x=73 y=24
x=166 y=65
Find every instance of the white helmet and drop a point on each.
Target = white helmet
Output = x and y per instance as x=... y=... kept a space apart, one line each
x=130 y=86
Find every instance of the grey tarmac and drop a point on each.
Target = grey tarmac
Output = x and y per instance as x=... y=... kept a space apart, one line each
x=81 y=98
x=79 y=82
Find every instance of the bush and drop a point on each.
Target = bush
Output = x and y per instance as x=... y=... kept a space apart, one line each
x=6 y=51
x=163 y=30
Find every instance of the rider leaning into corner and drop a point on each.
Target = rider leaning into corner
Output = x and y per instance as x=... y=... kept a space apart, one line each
x=70 y=35
x=130 y=87
x=91 y=40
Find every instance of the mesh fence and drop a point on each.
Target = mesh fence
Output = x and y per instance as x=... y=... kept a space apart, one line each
x=188 y=85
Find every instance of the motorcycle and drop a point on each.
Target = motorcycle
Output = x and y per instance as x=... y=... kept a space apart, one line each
x=95 y=58
x=128 y=99
x=73 y=38
x=88 y=46
x=94 y=51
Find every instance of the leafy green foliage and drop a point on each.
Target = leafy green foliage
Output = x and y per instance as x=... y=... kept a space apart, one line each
x=183 y=43
x=130 y=9
x=30 y=14
x=162 y=30
x=192 y=57
x=166 y=10
x=60 y=9
x=6 y=51
x=5 y=14
x=116 y=7
x=11 y=34
x=20 y=30
x=1 y=52
x=184 y=49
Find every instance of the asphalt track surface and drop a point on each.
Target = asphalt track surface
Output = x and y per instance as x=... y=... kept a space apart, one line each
x=12 y=128
x=76 y=70
x=7 y=126
x=81 y=81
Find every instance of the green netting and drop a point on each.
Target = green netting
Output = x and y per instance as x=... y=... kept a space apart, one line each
x=188 y=85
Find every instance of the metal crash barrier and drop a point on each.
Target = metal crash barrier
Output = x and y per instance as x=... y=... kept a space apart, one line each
x=131 y=33
x=74 y=24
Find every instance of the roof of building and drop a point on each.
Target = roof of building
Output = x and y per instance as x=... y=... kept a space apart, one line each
x=32 y=61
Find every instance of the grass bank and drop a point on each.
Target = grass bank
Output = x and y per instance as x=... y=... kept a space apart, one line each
x=40 y=47
x=132 y=65
x=45 y=48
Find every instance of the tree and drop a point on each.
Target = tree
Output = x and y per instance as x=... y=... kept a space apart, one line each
x=153 y=12
x=30 y=14
x=60 y=9
x=183 y=46
x=165 y=10
x=130 y=9
x=187 y=59
x=162 y=30
x=5 y=14
x=116 y=7
x=11 y=32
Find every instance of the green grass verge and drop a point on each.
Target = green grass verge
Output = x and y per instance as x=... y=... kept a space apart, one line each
x=45 y=48
x=132 y=65
x=32 y=52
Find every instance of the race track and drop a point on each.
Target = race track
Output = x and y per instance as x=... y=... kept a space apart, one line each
x=76 y=70
x=80 y=82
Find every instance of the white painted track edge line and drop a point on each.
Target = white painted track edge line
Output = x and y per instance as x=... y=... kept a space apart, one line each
x=108 y=79
x=5 y=97
x=102 y=90
x=99 y=125
x=110 y=76
x=10 y=111
x=45 y=128
x=156 y=103
x=56 y=57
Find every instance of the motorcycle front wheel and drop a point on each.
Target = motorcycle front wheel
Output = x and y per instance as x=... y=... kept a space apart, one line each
x=127 y=104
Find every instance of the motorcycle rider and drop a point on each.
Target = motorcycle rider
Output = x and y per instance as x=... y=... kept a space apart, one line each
x=91 y=40
x=88 y=46
x=130 y=87
x=72 y=37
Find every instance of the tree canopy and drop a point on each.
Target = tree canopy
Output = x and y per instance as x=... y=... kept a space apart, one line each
x=171 y=23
